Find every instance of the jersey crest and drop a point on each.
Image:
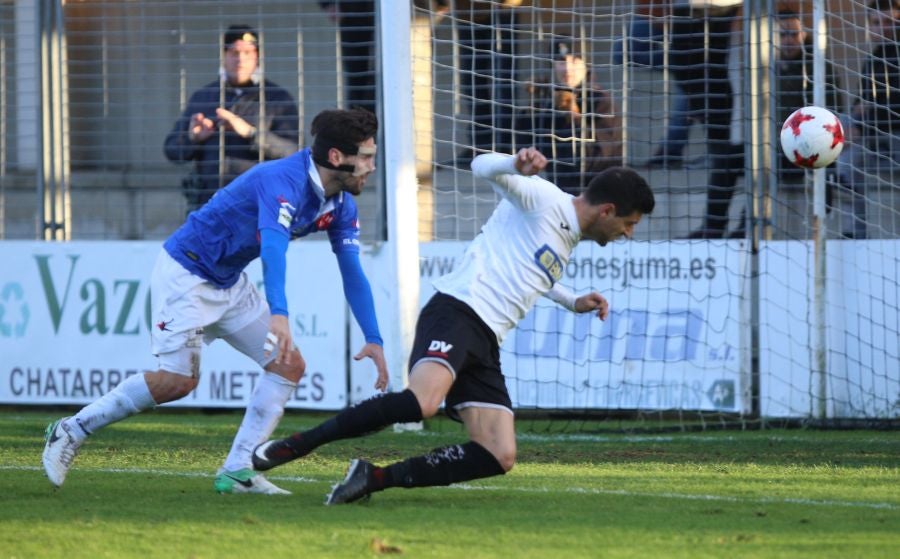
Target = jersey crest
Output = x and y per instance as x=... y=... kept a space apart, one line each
x=549 y=263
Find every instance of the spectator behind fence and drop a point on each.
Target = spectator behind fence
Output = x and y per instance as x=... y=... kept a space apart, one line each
x=793 y=89
x=356 y=20
x=486 y=72
x=572 y=121
x=698 y=60
x=873 y=151
x=646 y=46
x=233 y=123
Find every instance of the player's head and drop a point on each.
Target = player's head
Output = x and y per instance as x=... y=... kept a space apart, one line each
x=345 y=143
x=791 y=35
x=617 y=198
x=240 y=57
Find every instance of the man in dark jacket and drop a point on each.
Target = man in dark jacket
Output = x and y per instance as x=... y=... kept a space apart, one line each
x=233 y=123
x=356 y=20
x=572 y=121
x=793 y=90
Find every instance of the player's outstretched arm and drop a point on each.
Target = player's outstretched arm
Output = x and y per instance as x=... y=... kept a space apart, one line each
x=530 y=161
x=376 y=353
x=273 y=253
x=593 y=302
x=358 y=293
x=510 y=176
x=280 y=337
x=586 y=303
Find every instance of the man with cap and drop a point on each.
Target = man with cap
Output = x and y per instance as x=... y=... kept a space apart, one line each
x=233 y=123
x=571 y=120
x=200 y=292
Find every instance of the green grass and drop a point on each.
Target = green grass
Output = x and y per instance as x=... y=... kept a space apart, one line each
x=143 y=488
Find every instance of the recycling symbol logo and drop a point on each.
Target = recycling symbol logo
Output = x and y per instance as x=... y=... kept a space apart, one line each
x=721 y=394
x=14 y=313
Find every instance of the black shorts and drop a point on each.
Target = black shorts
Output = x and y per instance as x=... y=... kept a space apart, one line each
x=449 y=332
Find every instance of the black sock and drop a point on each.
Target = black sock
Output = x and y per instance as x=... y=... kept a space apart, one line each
x=368 y=416
x=441 y=466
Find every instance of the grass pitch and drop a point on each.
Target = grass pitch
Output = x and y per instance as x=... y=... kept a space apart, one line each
x=143 y=488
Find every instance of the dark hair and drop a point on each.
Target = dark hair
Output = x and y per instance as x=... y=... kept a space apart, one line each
x=563 y=46
x=237 y=33
x=788 y=14
x=884 y=5
x=624 y=188
x=342 y=129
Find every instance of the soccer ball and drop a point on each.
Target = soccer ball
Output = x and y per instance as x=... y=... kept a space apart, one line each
x=812 y=137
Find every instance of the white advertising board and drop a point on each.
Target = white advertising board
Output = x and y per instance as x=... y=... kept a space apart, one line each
x=862 y=314
x=75 y=320
x=672 y=340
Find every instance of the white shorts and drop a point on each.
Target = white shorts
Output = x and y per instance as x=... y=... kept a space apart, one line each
x=189 y=312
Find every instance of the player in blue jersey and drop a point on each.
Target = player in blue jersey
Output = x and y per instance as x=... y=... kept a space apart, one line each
x=200 y=292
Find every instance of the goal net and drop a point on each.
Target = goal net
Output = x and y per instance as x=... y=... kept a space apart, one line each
x=757 y=290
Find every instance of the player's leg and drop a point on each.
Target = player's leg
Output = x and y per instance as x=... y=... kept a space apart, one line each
x=177 y=343
x=246 y=328
x=366 y=417
x=491 y=451
x=432 y=373
x=479 y=398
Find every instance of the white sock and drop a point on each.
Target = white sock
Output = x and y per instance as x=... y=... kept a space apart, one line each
x=128 y=398
x=262 y=416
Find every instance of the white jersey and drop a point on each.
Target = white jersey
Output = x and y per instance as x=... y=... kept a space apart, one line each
x=522 y=250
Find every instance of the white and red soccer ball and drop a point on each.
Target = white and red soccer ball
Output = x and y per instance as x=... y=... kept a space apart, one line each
x=812 y=137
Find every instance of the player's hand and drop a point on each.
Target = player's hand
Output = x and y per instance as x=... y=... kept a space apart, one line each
x=200 y=128
x=376 y=353
x=235 y=123
x=279 y=337
x=593 y=302
x=529 y=161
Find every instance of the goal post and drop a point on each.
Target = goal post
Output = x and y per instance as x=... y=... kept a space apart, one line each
x=398 y=258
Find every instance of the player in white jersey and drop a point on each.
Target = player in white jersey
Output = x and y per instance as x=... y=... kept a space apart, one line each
x=520 y=255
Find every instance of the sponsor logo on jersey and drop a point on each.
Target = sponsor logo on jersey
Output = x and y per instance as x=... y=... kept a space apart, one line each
x=164 y=325
x=285 y=212
x=549 y=263
x=282 y=201
x=325 y=221
x=439 y=348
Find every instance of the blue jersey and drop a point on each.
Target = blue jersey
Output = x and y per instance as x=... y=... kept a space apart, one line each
x=221 y=238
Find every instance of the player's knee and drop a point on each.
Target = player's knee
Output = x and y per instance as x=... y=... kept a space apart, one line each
x=168 y=387
x=506 y=458
x=293 y=370
x=297 y=367
x=429 y=405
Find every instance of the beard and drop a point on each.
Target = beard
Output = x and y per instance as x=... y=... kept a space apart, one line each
x=352 y=183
